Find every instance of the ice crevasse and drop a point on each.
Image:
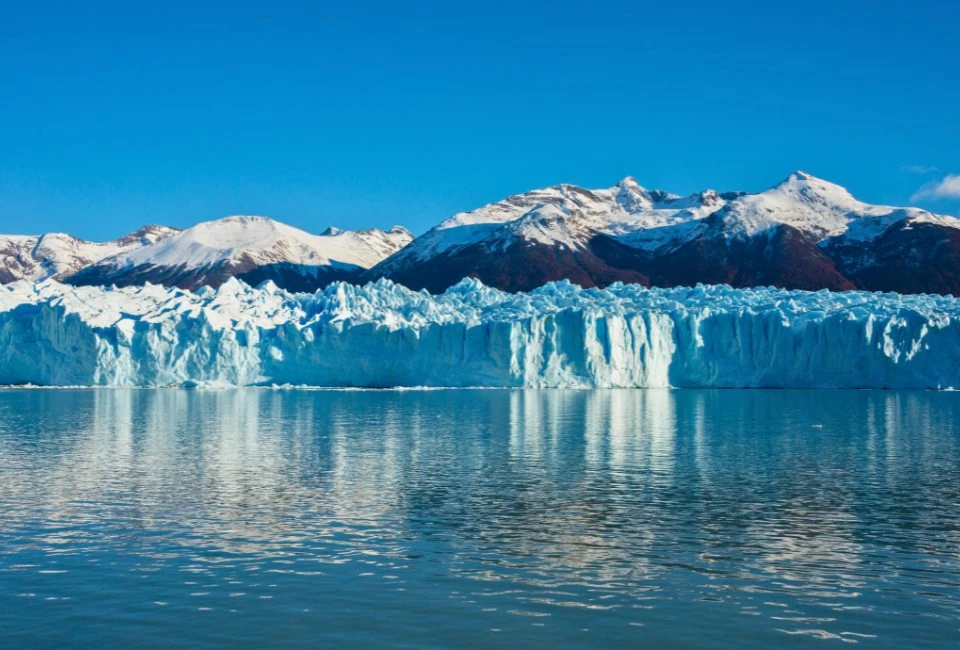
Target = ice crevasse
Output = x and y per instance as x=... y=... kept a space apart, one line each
x=384 y=335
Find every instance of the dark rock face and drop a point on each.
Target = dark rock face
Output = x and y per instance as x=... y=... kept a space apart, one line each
x=522 y=266
x=292 y=277
x=299 y=277
x=781 y=257
x=906 y=258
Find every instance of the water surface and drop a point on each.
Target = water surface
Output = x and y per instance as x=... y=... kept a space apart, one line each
x=479 y=518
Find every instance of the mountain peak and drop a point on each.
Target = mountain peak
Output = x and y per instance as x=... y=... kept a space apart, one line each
x=801 y=200
x=803 y=179
x=632 y=196
x=146 y=234
x=807 y=188
x=243 y=219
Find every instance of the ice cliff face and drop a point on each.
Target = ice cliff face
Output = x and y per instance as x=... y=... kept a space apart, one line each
x=560 y=335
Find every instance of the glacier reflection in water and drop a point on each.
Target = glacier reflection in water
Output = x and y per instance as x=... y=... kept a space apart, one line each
x=479 y=518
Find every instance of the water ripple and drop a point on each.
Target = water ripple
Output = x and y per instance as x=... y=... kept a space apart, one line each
x=479 y=518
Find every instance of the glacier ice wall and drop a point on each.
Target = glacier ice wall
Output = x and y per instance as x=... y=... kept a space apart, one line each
x=560 y=335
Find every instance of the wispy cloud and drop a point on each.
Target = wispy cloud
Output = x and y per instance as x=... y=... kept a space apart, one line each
x=919 y=169
x=948 y=188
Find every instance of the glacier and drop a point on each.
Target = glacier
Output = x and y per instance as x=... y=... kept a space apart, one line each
x=558 y=336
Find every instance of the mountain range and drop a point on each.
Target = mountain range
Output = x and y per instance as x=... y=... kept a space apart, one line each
x=803 y=233
x=253 y=249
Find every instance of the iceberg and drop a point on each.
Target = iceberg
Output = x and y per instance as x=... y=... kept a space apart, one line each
x=557 y=336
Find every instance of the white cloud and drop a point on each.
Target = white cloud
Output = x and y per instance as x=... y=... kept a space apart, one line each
x=948 y=188
x=919 y=169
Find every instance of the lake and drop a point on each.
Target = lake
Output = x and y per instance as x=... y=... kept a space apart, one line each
x=479 y=518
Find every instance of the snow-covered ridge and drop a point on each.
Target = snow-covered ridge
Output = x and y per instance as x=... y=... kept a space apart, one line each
x=263 y=241
x=232 y=243
x=569 y=215
x=819 y=207
x=560 y=335
x=58 y=255
x=255 y=248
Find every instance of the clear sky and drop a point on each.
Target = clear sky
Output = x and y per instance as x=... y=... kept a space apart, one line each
x=359 y=114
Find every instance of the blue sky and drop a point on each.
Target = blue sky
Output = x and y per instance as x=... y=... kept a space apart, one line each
x=364 y=114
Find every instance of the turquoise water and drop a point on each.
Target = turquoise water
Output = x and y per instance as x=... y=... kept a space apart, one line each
x=768 y=519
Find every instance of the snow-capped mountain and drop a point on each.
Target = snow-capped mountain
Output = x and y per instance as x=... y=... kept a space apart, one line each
x=58 y=255
x=562 y=232
x=803 y=233
x=807 y=233
x=568 y=215
x=253 y=249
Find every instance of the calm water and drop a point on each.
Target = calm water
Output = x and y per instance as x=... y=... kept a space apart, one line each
x=479 y=519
